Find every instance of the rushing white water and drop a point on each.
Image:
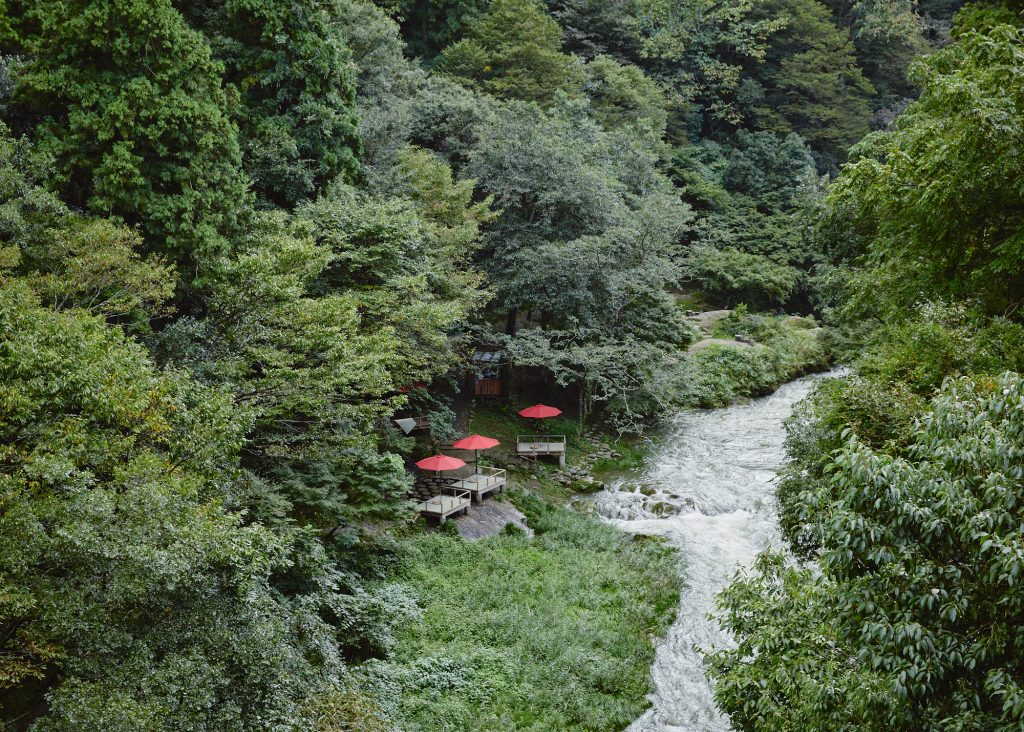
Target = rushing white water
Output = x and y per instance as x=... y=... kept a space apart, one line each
x=709 y=489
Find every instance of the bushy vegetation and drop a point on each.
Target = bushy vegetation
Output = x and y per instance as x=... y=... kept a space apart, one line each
x=773 y=350
x=236 y=238
x=900 y=606
x=518 y=633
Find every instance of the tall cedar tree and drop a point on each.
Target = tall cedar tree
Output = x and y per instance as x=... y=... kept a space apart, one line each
x=130 y=104
x=297 y=89
x=813 y=85
x=514 y=52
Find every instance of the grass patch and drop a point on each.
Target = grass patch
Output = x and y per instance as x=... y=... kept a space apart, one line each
x=785 y=347
x=632 y=452
x=549 y=633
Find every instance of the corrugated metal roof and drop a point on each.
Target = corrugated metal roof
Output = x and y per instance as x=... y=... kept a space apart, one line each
x=487 y=357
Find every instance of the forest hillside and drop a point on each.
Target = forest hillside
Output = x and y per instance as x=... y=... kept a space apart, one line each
x=239 y=237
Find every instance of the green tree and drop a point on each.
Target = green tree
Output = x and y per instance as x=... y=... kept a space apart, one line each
x=700 y=49
x=73 y=261
x=312 y=379
x=316 y=323
x=593 y=28
x=128 y=101
x=431 y=25
x=915 y=624
x=291 y=68
x=932 y=200
x=812 y=84
x=387 y=81
x=622 y=94
x=751 y=246
x=888 y=35
x=514 y=51
x=131 y=596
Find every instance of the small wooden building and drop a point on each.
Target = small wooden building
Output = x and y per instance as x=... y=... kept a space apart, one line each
x=488 y=380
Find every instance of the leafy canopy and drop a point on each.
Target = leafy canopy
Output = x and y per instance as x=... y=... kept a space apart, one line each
x=132 y=107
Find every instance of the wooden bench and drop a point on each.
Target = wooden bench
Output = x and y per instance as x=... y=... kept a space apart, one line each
x=486 y=480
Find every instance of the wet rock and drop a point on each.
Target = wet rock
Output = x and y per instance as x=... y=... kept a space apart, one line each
x=661 y=509
x=586 y=486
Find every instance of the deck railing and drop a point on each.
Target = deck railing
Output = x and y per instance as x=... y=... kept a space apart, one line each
x=540 y=439
x=459 y=492
x=540 y=445
x=487 y=472
x=491 y=472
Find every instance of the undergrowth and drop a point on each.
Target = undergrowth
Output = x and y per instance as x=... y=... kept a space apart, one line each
x=529 y=634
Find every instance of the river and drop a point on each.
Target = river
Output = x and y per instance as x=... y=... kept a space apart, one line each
x=708 y=488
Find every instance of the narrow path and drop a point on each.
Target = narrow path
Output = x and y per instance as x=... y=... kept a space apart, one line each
x=709 y=489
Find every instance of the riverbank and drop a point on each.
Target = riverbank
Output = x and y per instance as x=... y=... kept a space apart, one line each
x=553 y=632
x=558 y=631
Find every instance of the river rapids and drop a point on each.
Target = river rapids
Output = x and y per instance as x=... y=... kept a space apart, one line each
x=708 y=488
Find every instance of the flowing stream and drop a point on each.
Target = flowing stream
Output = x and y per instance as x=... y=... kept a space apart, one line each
x=709 y=489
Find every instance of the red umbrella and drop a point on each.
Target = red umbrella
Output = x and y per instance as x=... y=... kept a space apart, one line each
x=539 y=411
x=438 y=463
x=476 y=443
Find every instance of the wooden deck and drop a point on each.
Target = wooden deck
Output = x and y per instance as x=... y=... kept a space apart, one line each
x=487 y=480
x=441 y=507
x=534 y=446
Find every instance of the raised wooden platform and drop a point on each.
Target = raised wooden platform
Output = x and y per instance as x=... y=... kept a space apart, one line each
x=441 y=507
x=534 y=446
x=487 y=480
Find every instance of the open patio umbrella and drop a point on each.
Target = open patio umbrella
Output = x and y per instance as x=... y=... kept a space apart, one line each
x=476 y=443
x=539 y=411
x=437 y=463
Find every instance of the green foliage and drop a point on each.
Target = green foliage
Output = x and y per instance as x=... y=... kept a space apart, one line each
x=938 y=340
x=879 y=415
x=290 y=66
x=513 y=51
x=301 y=366
x=790 y=668
x=560 y=627
x=622 y=94
x=431 y=25
x=73 y=261
x=888 y=35
x=702 y=47
x=716 y=374
x=187 y=546
x=131 y=106
x=751 y=245
x=739 y=276
x=594 y=28
x=812 y=82
x=935 y=195
x=118 y=549
x=920 y=551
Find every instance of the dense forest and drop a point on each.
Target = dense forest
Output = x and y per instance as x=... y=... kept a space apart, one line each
x=238 y=236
